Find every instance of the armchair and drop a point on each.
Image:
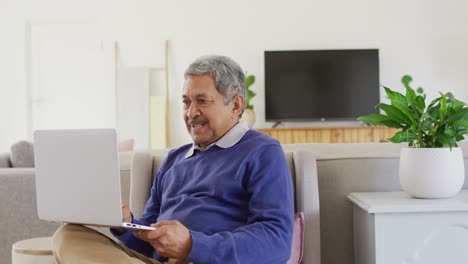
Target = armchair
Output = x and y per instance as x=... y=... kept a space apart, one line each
x=304 y=175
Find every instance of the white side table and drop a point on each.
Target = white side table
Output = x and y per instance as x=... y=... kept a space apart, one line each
x=393 y=228
x=35 y=250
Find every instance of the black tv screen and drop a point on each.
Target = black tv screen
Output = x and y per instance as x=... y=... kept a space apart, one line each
x=306 y=85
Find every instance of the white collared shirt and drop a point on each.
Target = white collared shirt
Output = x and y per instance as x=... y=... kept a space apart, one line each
x=228 y=140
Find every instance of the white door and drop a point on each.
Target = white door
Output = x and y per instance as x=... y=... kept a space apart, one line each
x=72 y=76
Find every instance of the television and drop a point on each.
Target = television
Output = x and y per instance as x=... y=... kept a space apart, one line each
x=310 y=85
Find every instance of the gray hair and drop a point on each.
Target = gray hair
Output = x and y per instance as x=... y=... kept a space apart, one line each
x=227 y=74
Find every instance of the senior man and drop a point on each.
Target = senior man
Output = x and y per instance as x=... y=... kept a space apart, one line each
x=225 y=198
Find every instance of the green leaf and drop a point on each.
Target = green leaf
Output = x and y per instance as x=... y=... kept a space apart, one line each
x=406 y=79
x=449 y=96
x=394 y=96
x=420 y=90
x=457 y=104
x=407 y=112
x=395 y=114
x=445 y=140
x=249 y=80
x=403 y=136
x=420 y=105
x=433 y=112
x=410 y=93
x=449 y=132
x=443 y=106
x=433 y=102
x=378 y=119
x=460 y=123
x=460 y=114
x=373 y=118
x=399 y=101
x=410 y=96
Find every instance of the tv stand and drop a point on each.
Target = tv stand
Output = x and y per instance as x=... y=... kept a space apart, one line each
x=276 y=124
x=354 y=134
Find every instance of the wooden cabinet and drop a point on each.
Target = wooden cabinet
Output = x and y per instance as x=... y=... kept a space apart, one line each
x=330 y=134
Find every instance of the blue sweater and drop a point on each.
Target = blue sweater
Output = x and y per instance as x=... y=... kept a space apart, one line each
x=237 y=202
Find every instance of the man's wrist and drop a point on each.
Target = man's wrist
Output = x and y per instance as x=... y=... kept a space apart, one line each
x=129 y=220
x=119 y=230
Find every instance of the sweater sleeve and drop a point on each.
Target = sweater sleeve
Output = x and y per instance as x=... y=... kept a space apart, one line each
x=267 y=236
x=132 y=242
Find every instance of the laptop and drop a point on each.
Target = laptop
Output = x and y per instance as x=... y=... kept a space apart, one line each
x=78 y=177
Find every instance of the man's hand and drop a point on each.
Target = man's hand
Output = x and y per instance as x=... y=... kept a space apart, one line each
x=126 y=214
x=126 y=217
x=170 y=239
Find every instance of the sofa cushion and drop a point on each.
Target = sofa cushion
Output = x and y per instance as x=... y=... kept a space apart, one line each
x=22 y=154
x=5 y=160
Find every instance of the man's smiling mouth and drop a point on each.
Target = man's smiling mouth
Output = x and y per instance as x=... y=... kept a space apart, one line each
x=198 y=124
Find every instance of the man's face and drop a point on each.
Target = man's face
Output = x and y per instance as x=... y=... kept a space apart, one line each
x=206 y=115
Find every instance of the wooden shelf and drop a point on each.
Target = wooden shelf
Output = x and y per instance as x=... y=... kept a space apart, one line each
x=330 y=134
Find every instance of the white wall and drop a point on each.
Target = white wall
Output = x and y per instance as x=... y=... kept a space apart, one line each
x=427 y=39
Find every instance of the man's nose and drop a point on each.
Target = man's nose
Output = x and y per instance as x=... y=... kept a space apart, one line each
x=193 y=111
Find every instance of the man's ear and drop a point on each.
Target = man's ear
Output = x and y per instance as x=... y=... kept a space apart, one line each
x=237 y=105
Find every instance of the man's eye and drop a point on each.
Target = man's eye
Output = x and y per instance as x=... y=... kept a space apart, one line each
x=186 y=104
x=202 y=101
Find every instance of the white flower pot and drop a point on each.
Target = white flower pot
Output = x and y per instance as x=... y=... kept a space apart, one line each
x=431 y=172
x=249 y=117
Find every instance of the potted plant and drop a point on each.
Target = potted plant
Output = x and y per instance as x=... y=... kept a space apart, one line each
x=249 y=113
x=432 y=165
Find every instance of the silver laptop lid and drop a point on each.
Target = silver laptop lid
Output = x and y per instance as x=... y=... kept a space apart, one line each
x=77 y=176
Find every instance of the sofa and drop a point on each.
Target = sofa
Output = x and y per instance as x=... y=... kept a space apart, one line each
x=137 y=171
x=18 y=213
x=340 y=169
x=345 y=168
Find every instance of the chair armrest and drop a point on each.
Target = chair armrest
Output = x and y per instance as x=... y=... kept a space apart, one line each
x=140 y=181
x=307 y=197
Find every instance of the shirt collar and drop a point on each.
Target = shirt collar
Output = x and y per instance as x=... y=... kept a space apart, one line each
x=229 y=139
